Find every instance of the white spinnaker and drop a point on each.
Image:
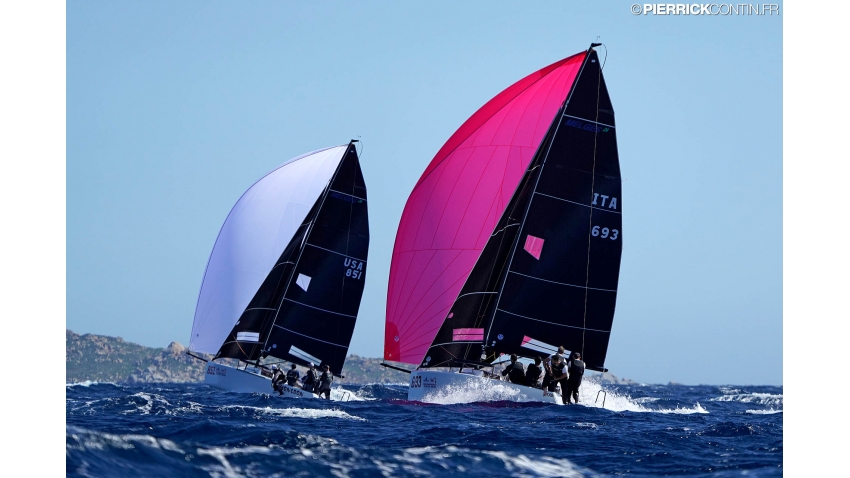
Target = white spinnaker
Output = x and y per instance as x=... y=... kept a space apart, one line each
x=252 y=239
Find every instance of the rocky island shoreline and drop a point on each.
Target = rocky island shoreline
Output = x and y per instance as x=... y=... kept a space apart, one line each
x=101 y=358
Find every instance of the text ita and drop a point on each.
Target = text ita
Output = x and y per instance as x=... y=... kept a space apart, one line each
x=601 y=199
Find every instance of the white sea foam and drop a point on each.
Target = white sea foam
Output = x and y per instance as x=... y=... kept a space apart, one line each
x=150 y=400
x=225 y=468
x=462 y=460
x=340 y=394
x=295 y=412
x=763 y=412
x=87 y=383
x=95 y=440
x=768 y=399
x=591 y=394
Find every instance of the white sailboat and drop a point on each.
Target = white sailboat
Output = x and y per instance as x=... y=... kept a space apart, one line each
x=285 y=277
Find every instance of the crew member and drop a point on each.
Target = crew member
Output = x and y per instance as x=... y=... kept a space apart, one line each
x=308 y=381
x=576 y=368
x=292 y=377
x=559 y=375
x=277 y=379
x=514 y=371
x=325 y=382
x=532 y=373
x=547 y=365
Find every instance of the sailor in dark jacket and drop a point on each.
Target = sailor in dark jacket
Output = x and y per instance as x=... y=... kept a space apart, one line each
x=277 y=379
x=532 y=373
x=576 y=368
x=292 y=377
x=309 y=381
x=514 y=371
x=559 y=375
x=325 y=382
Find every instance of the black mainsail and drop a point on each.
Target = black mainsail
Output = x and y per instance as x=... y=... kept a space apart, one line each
x=306 y=308
x=548 y=275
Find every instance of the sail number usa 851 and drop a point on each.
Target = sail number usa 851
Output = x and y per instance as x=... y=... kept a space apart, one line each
x=605 y=233
x=353 y=268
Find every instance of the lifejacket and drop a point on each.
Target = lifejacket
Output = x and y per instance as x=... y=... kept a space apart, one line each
x=516 y=373
x=310 y=378
x=532 y=373
x=292 y=377
x=576 y=369
x=558 y=369
x=326 y=381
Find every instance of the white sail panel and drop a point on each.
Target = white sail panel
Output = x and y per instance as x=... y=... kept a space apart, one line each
x=252 y=238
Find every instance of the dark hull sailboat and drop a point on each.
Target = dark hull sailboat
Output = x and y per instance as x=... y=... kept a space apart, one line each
x=547 y=275
x=286 y=275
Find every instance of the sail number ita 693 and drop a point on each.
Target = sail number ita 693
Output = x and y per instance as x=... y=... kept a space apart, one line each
x=353 y=268
x=605 y=233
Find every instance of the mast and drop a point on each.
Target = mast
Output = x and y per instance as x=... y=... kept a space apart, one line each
x=559 y=287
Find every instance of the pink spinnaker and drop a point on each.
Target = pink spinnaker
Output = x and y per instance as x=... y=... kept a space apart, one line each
x=457 y=201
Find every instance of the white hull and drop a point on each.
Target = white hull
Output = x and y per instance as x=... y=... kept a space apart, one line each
x=234 y=379
x=454 y=387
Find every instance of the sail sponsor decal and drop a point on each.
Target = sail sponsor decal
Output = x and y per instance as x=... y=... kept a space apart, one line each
x=534 y=246
x=429 y=382
x=303 y=281
x=247 y=336
x=586 y=125
x=467 y=335
x=215 y=370
x=538 y=346
x=296 y=352
x=292 y=390
x=353 y=268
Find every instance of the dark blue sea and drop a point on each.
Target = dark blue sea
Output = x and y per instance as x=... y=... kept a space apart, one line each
x=186 y=430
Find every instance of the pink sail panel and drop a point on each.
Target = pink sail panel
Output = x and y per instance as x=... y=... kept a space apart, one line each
x=460 y=335
x=534 y=246
x=457 y=201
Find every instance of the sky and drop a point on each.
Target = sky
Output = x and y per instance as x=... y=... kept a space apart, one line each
x=173 y=109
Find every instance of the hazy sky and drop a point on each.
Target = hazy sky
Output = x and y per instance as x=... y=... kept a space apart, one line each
x=175 y=108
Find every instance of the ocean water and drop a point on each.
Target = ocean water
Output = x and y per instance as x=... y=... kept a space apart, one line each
x=187 y=430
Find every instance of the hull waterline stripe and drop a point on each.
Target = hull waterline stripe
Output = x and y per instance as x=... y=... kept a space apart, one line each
x=553 y=323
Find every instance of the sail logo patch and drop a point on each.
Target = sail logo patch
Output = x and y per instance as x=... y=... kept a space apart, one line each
x=538 y=346
x=534 y=246
x=247 y=336
x=466 y=335
x=296 y=352
x=303 y=281
x=354 y=268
